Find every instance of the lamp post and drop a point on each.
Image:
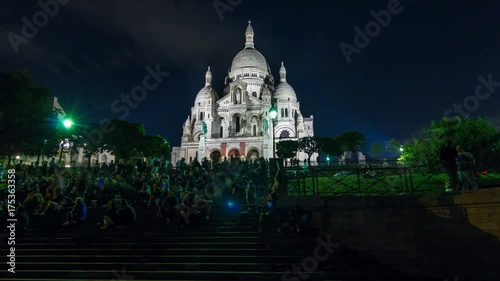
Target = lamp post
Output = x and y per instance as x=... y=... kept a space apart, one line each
x=273 y=113
x=65 y=142
x=328 y=160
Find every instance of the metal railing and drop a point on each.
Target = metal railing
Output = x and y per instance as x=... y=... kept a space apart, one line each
x=374 y=179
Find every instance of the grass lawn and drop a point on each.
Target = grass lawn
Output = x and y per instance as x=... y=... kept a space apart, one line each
x=326 y=185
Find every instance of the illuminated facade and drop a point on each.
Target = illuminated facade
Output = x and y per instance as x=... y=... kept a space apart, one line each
x=236 y=122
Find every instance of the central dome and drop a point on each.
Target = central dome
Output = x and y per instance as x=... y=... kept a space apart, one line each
x=249 y=58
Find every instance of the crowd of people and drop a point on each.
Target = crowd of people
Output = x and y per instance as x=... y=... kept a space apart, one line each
x=180 y=196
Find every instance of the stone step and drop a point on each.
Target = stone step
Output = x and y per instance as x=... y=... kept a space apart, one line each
x=147 y=258
x=145 y=251
x=156 y=266
x=146 y=245
x=71 y=274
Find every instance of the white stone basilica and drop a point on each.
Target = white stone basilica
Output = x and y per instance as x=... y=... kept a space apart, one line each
x=236 y=123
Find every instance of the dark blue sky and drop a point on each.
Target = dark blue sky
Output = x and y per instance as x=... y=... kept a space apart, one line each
x=427 y=58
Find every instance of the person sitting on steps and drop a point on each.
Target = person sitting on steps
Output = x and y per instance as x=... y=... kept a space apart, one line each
x=126 y=215
x=78 y=214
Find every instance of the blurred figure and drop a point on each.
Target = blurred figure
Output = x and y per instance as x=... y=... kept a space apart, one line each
x=465 y=165
x=448 y=157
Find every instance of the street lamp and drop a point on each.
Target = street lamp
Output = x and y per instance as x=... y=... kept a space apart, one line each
x=67 y=123
x=65 y=142
x=328 y=160
x=273 y=113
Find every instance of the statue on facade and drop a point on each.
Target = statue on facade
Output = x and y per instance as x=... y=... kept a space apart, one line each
x=204 y=129
x=265 y=125
x=238 y=96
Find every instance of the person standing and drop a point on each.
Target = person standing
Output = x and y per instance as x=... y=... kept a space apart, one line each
x=465 y=165
x=448 y=158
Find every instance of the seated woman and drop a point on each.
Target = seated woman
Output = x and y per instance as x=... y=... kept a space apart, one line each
x=202 y=204
x=49 y=203
x=126 y=215
x=168 y=209
x=33 y=201
x=78 y=214
x=111 y=216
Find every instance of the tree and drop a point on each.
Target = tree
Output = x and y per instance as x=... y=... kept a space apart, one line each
x=154 y=146
x=351 y=141
x=79 y=140
x=26 y=111
x=124 y=139
x=309 y=146
x=329 y=146
x=393 y=146
x=377 y=148
x=287 y=148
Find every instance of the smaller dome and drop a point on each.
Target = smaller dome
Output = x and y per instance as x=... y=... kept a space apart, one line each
x=206 y=94
x=285 y=91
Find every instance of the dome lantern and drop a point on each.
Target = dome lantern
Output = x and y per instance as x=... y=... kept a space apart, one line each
x=208 y=78
x=282 y=73
x=249 y=35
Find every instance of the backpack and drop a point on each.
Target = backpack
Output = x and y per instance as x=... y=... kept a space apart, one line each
x=464 y=163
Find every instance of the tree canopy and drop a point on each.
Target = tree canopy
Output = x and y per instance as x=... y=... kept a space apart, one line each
x=287 y=148
x=309 y=145
x=27 y=118
x=477 y=135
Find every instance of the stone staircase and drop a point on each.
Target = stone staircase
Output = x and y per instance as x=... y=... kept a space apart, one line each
x=225 y=248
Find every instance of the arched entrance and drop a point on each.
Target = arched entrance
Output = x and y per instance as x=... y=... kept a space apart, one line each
x=253 y=155
x=215 y=156
x=233 y=153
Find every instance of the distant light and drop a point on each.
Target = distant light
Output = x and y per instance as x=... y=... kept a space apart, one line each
x=401 y=148
x=18 y=157
x=230 y=204
x=327 y=158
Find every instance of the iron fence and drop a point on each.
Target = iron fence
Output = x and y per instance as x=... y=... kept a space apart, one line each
x=374 y=179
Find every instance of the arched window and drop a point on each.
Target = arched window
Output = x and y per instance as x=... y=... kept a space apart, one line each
x=254 y=94
x=286 y=112
x=221 y=131
x=254 y=130
x=237 y=120
x=201 y=116
x=282 y=112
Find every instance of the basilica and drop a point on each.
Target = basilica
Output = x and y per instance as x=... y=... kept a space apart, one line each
x=236 y=122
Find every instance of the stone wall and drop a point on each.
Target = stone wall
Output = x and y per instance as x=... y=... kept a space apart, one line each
x=438 y=235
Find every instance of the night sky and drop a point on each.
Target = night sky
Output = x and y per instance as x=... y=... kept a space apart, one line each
x=427 y=59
